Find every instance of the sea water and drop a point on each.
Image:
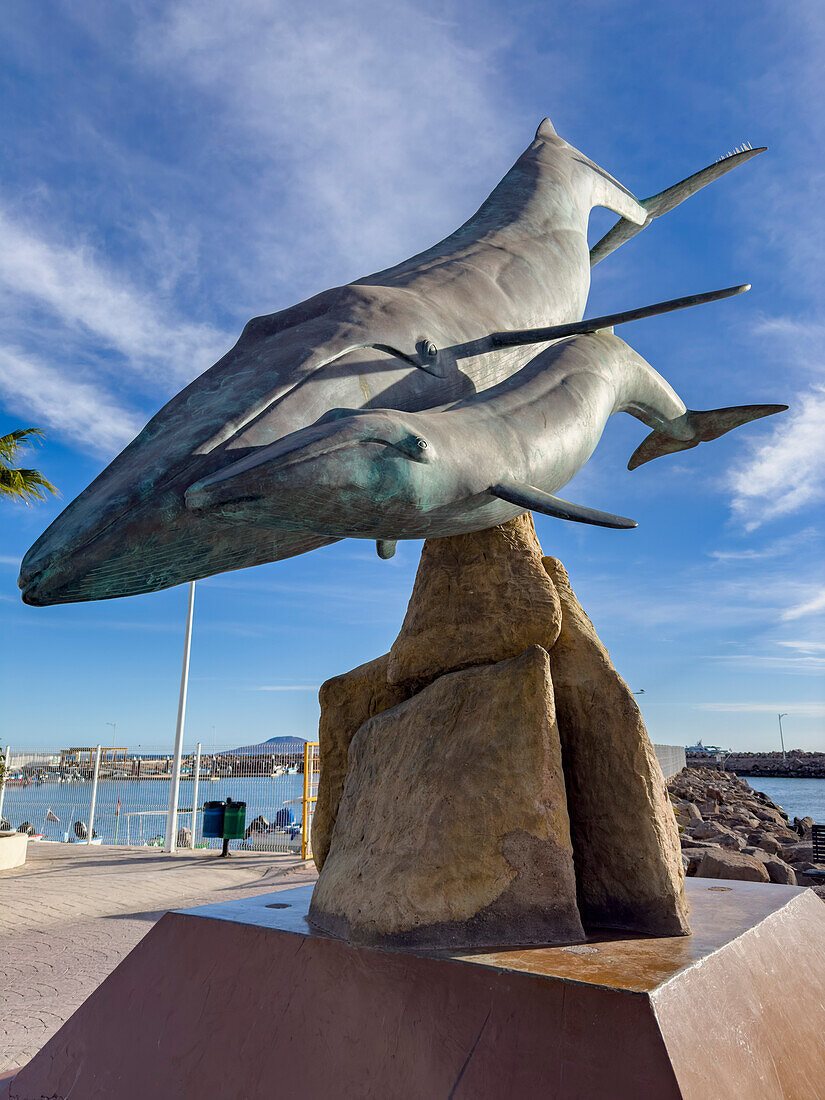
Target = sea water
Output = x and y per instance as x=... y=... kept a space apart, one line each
x=797 y=797
x=143 y=804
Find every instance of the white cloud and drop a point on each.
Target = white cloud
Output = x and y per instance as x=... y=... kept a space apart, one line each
x=784 y=472
x=802 y=710
x=805 y=647
x=84 y=292
x=368 y=121
x=811 y=606
x=805 y=663
x=82 y=410
x=776 y=549
x=288 y=687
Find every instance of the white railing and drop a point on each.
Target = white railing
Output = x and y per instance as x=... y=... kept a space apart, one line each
x=106 y=796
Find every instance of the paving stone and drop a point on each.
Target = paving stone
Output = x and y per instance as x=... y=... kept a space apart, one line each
x=71 y=913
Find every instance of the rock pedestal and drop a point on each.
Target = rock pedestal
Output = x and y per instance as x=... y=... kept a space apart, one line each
x=453 y=829
x=490 y=780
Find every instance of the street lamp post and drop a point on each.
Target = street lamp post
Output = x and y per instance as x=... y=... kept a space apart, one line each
x=170 y=844
x=781 y=735
x=114 y=733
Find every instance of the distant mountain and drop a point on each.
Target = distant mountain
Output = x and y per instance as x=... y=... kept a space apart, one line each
x=281 y=746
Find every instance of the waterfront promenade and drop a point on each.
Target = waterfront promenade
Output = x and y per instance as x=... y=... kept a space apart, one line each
x=73 y=912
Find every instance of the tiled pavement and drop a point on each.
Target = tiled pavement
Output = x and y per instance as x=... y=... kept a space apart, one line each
x=73 y=912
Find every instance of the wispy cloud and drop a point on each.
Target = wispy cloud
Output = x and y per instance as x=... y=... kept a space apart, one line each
x=288 y=687
x=778 y=548
x=75 y=284
x=802 y=663
x=64 y=301
x=360 y=114
x=81 y=410
x=803 y=710
x=805 y=647
x=784 y=472
x=811 y=606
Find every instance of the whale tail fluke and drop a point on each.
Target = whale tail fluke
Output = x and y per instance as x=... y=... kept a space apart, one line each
x=694 y=428
x=667 y=200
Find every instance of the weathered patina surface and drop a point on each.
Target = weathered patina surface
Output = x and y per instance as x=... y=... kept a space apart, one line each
x=412 y=337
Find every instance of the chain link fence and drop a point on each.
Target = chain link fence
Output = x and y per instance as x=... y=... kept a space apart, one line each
x=101 y=795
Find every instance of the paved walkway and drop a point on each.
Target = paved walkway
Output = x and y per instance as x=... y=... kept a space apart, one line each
x=73 y=912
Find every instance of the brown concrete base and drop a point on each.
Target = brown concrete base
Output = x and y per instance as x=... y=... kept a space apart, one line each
x=242 y=1000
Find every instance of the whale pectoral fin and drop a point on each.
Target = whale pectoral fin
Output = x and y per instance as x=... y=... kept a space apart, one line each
x=703 y=427
x=528 y=496
x=385 y=548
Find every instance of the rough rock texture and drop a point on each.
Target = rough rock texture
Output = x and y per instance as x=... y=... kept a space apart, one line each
x=477 y=599
x=625 y=838
x=452 y=829
x=780 y=872
x=347 y=701
x=734 y=865
x=785 y=856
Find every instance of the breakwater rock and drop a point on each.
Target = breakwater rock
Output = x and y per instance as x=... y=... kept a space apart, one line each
x=796 y=765
x=730 y=831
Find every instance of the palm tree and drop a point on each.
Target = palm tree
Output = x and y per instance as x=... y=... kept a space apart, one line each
x=25 y=485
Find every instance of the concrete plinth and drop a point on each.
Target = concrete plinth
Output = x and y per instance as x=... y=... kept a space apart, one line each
x=243 y=999
x=13 y=848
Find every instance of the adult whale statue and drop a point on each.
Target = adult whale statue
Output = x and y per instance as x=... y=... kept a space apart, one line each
x=411 y=337
x=390 y=475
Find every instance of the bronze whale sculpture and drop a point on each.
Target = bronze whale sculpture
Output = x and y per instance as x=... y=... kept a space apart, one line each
x=385 y=474
x=411 y=337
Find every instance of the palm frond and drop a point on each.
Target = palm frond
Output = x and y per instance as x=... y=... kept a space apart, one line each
x=25 y=485
x=12 y=444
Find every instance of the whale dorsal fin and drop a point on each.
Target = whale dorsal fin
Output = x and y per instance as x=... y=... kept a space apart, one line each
x=529 y=497
x=546 y=129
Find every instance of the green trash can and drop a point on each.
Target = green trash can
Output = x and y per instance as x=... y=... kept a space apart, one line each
x=234 y=820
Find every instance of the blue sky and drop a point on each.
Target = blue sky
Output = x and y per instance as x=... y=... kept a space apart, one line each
x=171 y=169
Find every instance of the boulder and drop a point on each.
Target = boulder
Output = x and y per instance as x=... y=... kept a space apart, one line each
x=809 y=874
x=687 y=813
x=347 y=701
x=798 y=853
x=477 y=599
x=780 y=872
x=714 y=832
x=452 y=829
x=765 y=841
x=625 y=838
x=692 y=857
x=732 y=865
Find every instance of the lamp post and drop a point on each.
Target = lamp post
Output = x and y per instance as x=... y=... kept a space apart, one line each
x=114 y=733
x=170 y=844
x=781 y=735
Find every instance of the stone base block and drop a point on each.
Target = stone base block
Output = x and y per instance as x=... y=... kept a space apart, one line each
x=244 y=1000
x=452 y=830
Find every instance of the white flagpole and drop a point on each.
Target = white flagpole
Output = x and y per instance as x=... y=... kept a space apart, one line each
x=172 y=815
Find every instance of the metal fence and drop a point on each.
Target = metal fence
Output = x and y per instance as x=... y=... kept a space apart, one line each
x=101 y=795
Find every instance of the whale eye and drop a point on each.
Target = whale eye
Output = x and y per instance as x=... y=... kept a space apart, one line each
x=430 y=349
x=422 y=444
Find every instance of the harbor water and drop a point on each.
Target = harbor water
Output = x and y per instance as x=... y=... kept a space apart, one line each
x=141 y=816
x=797 y=797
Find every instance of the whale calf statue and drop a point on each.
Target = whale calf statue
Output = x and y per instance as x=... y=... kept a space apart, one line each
x=390 y=475
x=412 y=337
